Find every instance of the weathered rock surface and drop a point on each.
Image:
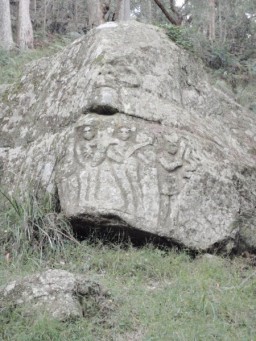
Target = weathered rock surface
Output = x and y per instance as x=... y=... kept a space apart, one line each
x=59 y=293
x=125 y=126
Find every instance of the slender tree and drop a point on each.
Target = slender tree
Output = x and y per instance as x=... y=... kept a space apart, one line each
x=98 y=11
x=212 y=19
x=25 y=37
x=95 y=13
x=6 y=41
x=146 y=11
x=123 y=10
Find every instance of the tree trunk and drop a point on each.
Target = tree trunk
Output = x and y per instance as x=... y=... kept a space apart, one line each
x=75 y=13
x=44 y=20
x=25 y=37
x=93 y=7
x=98 y=12
x=35 y=6
x=146 y=11
x=6 y=41
x=169 y=16
x=212 y=18
x=123 y=10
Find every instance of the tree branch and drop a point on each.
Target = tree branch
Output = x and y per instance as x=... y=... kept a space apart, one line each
x=170 y=17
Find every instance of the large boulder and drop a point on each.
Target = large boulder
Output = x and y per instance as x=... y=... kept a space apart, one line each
x=126 y=128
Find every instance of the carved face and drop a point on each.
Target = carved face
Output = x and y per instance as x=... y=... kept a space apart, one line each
x=172 y=147
x=124 y=133
x=89 y=133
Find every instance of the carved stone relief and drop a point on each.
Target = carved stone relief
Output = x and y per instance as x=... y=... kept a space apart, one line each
x=119 y=165
x=175 y=165
x=82 y=128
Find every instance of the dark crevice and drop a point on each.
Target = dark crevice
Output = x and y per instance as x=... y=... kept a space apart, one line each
x=112 y=229
x=102 y=109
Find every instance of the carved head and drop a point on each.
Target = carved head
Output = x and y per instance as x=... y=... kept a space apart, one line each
x=89 y=132
x=172 y=143
x=87 y=127
x=124 y=133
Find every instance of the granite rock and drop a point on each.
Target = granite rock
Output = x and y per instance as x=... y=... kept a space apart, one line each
x=125 y=127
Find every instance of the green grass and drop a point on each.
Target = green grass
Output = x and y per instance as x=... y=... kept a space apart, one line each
x=13 y=62
x=158 y=295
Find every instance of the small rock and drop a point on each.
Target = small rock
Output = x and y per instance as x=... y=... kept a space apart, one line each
x=61 y=294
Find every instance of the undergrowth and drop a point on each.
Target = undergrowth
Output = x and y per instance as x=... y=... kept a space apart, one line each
x=233 y=74
x=159 y=294
x=13 y=62
x=29 y=225
x=179 y=35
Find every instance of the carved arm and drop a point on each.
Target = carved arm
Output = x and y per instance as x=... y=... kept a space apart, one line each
x=114 y=155
x=170 y=166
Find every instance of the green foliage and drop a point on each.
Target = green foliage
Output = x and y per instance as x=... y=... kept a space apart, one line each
x=4 y=57
x=12 y=63
x=157 y=295
x=227 y=62
x=27 y=224
x=217 y=57
x=227 y=47
x=179 y=35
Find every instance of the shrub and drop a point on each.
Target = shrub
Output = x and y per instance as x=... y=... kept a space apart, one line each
x=179 y=35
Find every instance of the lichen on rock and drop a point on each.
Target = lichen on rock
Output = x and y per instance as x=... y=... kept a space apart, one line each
x=126 y=127
x=58 y=293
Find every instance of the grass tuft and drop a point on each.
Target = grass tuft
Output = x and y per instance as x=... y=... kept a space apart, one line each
x=29 y=225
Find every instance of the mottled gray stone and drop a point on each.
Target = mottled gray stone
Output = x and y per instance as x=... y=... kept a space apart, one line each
x=59 y=293
x=126 y=127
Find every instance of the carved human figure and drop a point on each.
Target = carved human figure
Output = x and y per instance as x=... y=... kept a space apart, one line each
x=148 y=176
x=91 y=152
x=125 y=168
x=76 y=180
x=170 y=160
x=84 y=151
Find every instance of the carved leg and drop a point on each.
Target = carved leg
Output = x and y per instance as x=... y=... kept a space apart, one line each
x=164 y=211
x=125 y=187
